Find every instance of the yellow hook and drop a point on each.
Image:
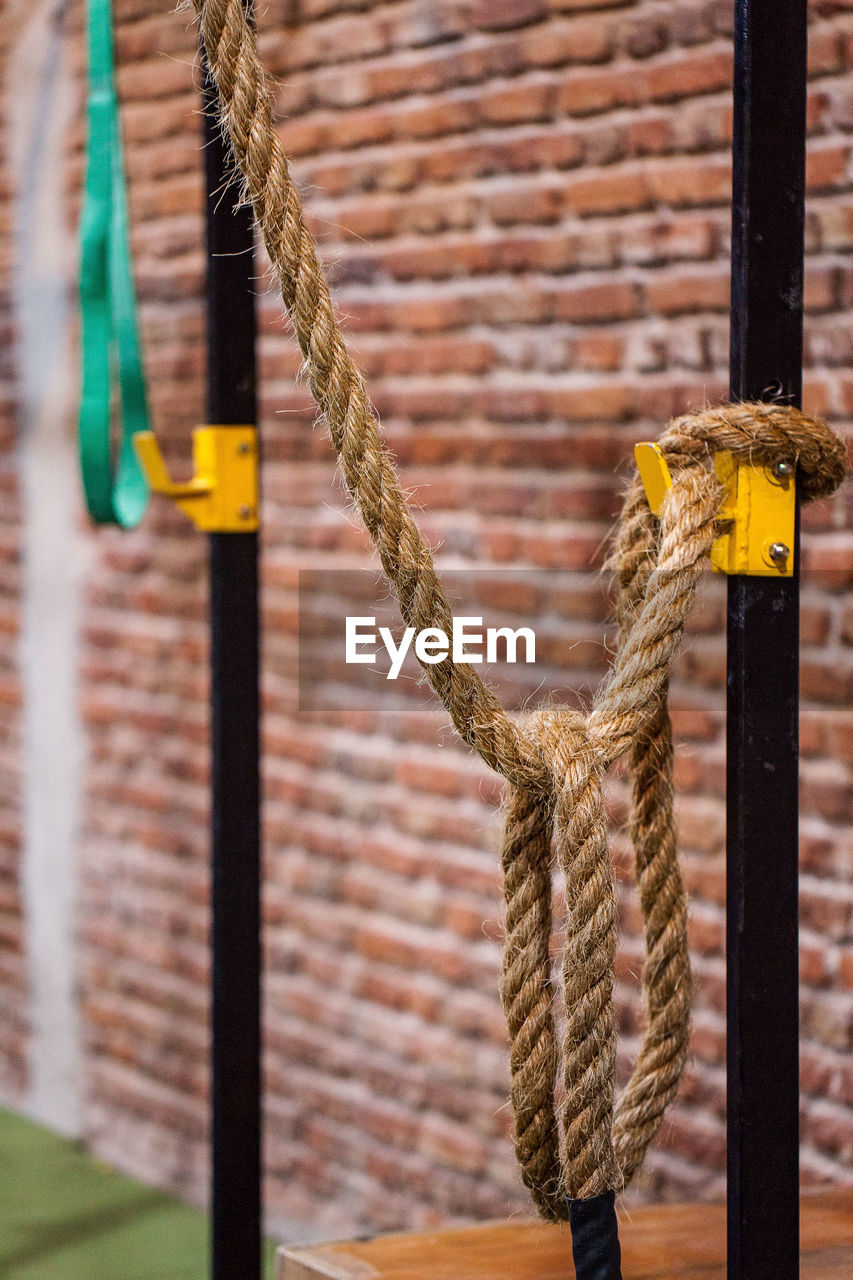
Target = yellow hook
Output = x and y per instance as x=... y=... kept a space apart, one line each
x=222 y=496
x=759 y=509
x=654 y=474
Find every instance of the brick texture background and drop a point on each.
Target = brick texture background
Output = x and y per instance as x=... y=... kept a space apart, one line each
x=524 y=204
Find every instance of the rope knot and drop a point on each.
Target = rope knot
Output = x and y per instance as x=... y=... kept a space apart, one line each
x=568 y=747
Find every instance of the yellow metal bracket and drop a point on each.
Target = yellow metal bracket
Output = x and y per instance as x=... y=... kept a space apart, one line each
x=654 y=474
x=760 y=503
x=222 y=496
x=759 y=510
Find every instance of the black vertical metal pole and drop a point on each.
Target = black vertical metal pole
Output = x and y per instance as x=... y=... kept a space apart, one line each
x=763 y=662
x=235 y=748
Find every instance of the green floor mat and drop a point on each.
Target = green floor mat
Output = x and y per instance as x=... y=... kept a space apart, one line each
x=65 y=1216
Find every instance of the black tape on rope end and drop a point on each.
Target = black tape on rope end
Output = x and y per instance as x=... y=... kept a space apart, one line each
x=595 y=1238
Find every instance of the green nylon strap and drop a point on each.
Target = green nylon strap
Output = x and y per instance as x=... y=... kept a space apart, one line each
x=111 y=359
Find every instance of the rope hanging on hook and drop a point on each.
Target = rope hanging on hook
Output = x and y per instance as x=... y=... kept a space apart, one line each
x=555 y=759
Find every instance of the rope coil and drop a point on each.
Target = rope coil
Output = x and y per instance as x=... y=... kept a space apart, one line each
x=555 y=759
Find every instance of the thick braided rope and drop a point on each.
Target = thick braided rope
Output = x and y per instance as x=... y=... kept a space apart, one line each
x=594 y=1152
x=339 y=390
x=555 y=760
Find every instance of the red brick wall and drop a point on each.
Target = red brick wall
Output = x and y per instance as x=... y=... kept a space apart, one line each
x=13 y=984
x=526 y=208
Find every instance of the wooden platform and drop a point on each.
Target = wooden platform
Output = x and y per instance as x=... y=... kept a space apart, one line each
x=668 y=1242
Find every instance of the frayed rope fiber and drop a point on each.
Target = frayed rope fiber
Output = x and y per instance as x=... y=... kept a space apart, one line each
x=555 y=759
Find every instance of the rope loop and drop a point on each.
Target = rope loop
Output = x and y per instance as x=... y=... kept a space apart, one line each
x=592 y=1143
x=572 y=1140
x=760 y=433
